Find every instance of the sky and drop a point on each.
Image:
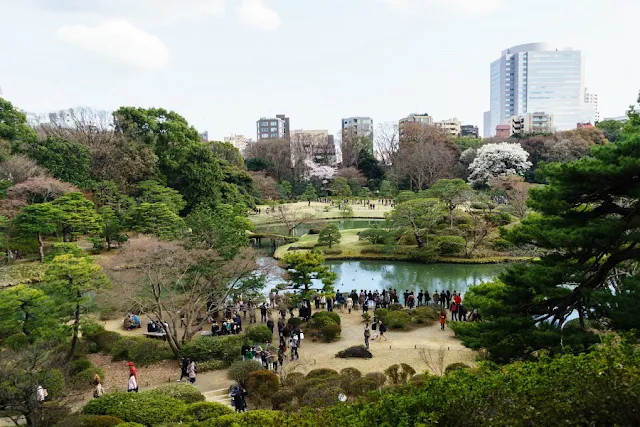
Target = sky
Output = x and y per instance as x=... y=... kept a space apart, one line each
x=223 y=64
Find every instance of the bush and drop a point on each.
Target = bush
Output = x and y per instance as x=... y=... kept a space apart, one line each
x=330 y=332
x=351 y=374
x=282 y=398
x=293 y=378
x=144 y=408
x=263 y=383
x=294 y=321
x=321 y=373
x=226 y=349
x=303 y=387
x=376 y=236
x=332 y=251
x=395 y=307
x=79 y=365
x=418 y=380
x=381 y=314
x=105 y=340
x=501 y=244
x=356 y=352
x=184 y=392
x=211 y=365
x=259 y=334
x=259 y=418
x=455 y=366
x=239 y=371
x=379 y=377
x=321 y=396
x=399 y=374
x=398 y=319
x=79 y=420
x=142 y=351
x=84 y=379
x=450 y=245
x=330 y=314
x=201 y=411
x=362 y=386
x=131 y=425
x=424 y=315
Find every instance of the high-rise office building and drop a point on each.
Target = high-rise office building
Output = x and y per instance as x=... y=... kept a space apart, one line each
x=538 y=77
x=592 y=98
x=273 y=127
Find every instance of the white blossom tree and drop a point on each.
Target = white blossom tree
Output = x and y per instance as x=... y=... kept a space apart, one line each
x=498 y=159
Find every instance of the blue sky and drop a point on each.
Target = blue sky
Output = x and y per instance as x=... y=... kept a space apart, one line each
x=224 y=63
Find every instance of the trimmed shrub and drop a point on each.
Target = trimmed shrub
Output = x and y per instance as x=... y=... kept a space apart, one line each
x=450 y=245
x=356 y=352
x=381 y=314
x=362 y=386
x=330 y=314
x=211 y=365
x=395 y=307
x=304 y=386
x=330 y=332
x=258 y=418
x=184 y=392
x=501 y=244
x=418 y=380
x=131 y=425
x=379 y=377
x=294 y=321
x=80 y=420
x=399 y=374
x=239 y=371
x=398 y=319
x=263 y=383
x=282 y=398
x=293 y=378
x=259 y=334
x=144 y=408
x=375 y=236
x=142 y=351
x=351 y=373
x=84 y=379
x=332 y=251
x=201 y=411
x=79 y=365
x=322 y=396
x=455 y=366
x=105 y=340
x=225 y=348
x=424 y=315
x=322 y=373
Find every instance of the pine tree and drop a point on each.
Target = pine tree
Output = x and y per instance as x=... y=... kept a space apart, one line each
x=329 y=235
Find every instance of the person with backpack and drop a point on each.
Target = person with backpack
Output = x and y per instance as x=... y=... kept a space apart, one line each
x=382 y=328
x=237 y=398
x=191 y=370
x=367 y=334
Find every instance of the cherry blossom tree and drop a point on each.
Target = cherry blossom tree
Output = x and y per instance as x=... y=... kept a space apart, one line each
x=498 y=159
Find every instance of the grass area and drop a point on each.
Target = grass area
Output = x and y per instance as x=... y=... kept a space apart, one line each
x=319 y=211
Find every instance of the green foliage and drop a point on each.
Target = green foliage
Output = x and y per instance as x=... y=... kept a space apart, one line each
x=611 y=129
x=330 y=314
x=258 y=164
x=501 y=244
x=399 y=374
x=78 y=217
x=13 y=125
x=239 y=371
x=321 y=396
x=36 y=221
x=304 y=267
x=80 y=420
x=201 y=411
x=258 y=334
x=294 y=321
x=211 y=365
x=356 y=352
x=68 y=161
x=226 y=348
x=256 y=418
x=105 y=340
x=282 y=398
x=157 y=219
x=387 y=189
x=455 y=366
x=322 y=373
x=285 y=189
x=450 y=245
x=329 y=235
x=263 y=383
x=362 y=386
x=223 y=229
x=330 y=332
x=424 y=315
x=153 y=192
x=183 y=392
x=376 y=236
x=451 y=192
x=27 y=310
x=145 y=408
x=309 y=193
x=348 y=375
x=419 y=216
x=398 y=319
x=340 y=187
x=79 y=365
x=84 y=378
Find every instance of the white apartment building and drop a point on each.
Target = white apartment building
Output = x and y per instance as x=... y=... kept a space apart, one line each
x=317 y=145
x=238 y=141
x=592 y=98
x=449 y=127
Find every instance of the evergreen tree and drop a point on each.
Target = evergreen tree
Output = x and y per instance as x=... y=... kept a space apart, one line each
x=304 y=267
x=340 y=187
x=309 y=193
x=37 y=221
x=157 y=219
x=329 y=235
x=79 y=216
x=68 y=161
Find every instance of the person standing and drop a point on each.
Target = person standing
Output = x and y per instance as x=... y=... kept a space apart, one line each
x=367 y=335
x=183 y=368
x=238 y=395
x=462 y=312
x=191 y=370
x=281 y=357
x=448 y=298
x=427 y=298
x=457 y=298
x=443 y=319
x=349 y=304
x=293 y=342
x=436 y=297
x=252 y=312
x=454 y=311
x=420 y=296
x=270 y=324
x=406 y=297
x=382 y=328
x=443 y=299
x=133 y=383
x=263 y=313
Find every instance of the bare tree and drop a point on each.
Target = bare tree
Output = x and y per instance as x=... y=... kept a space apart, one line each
x=426 y=162
x=82 y=124
x=266 y=186
x=277 y=152
x=33 y=190
x=351 y=145
x=387 y=142
x=434 y=359
x=517 y=191
x=18 y=168
x=352 y=174
x=292 y=218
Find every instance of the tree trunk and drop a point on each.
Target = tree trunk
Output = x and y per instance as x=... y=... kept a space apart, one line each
x=76 y=330
x=41 y=247
x=581 y=317
x=418 y=239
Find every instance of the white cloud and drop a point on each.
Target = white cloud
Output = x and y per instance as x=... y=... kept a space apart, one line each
x=118 y=41
x=256 y=14
x=466 y=6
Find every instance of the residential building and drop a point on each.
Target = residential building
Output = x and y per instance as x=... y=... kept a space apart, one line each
x=358 y=127
x=527 y=123
x=406 y=122
x=622 y=119
x=539 y=77
x=503 y=131
x=592 y=98
x=449 y=127
x=469 y=130
x=239 y=141
x=273 y=128
x=315 y=145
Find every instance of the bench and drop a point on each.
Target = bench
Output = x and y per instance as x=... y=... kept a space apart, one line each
x=157 y=335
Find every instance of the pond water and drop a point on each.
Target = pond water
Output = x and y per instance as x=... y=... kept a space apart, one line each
x=399 y=275
x=343 y=224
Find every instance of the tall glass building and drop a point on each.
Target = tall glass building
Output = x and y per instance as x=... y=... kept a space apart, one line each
x=536 y=78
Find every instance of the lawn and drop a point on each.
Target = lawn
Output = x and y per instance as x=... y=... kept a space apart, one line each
x=318 y=210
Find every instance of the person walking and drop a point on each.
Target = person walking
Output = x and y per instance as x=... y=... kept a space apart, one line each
x=133 y=384
x=374 y=329
x=270 y=324
x=349 y=304
x=132 y=370
x=191 y=370
x=237 y=395
x=367 y=335
x=443 y=319
x=293 y=342
x=382 y=328
x=98 y=390
x=183 y=368
x=263 y=313
x=462 y=312
x=454 y=311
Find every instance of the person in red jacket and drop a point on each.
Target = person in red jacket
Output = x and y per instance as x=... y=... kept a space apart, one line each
x=132 y=370
x=457 y=298
x=454 y=311
x=443 y=319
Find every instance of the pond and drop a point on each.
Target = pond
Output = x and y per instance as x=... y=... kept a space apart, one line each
x=343 y=224
x=400 y=275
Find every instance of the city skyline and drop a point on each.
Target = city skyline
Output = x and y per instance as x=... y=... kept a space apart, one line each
x=180 y=57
